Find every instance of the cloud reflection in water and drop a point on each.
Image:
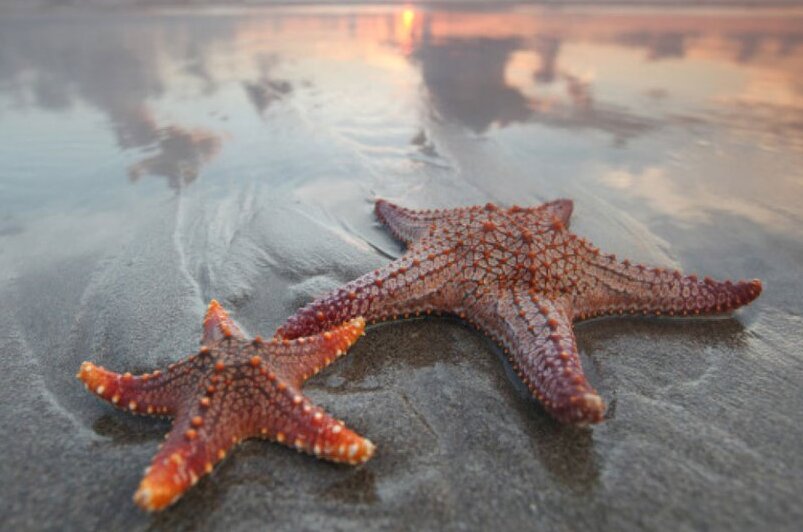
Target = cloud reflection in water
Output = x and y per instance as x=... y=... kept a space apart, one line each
x=588 y=71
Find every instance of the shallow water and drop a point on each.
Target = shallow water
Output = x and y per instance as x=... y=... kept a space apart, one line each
x=151 y=160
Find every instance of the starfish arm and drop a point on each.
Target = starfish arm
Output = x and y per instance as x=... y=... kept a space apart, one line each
x=187 y=454
x=407 y=225
x=560 y=209
x=536 y=334
x=409 y=285
x=218 y=325
x=289 y=418
x=613 y=287
x=303 y=357
x=156 y=393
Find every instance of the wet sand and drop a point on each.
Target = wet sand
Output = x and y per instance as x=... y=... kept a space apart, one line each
x=151 y=161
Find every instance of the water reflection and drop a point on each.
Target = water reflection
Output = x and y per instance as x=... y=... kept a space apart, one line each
x=480 y=71
x=180 y=154
x=121 y=68
x=658 y=45
x=265 y=90
x=473 y=82
x=466 y=81
x=547 y=47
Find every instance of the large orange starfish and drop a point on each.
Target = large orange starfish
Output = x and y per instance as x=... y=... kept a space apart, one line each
x=232 y=389
x=519 y=275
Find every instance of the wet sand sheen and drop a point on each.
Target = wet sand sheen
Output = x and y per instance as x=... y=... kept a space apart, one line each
x=150 y=163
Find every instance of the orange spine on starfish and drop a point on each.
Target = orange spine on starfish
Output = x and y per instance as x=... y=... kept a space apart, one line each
x=231 y=390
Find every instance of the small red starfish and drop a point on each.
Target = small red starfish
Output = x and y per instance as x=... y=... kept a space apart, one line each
x=231 y=390
x=519 y=275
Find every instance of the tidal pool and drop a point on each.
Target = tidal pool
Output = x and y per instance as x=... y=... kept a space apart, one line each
x=153 y=159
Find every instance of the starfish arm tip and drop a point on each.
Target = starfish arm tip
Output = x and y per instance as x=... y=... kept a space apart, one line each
x=84 y=370
x=369 y=450
x=358 y=325
x=154 y=496
x=586 y=409
x=379 y=207
x=95 y=378
x=740 y=293
x=218 y=324
x=753 y=288
x=356 y=451
x=757 y=286
x=345 y=335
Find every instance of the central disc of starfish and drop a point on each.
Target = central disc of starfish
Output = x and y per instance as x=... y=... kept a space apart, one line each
x=523 y=278
x=232 y=389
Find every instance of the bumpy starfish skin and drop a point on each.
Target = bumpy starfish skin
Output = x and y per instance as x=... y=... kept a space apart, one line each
x=520 y=276
x=232 y=389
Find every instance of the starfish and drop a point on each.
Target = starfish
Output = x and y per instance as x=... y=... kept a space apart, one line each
x=232 y=389
x=523 y=278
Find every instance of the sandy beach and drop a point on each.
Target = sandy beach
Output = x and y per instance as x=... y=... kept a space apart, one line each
x=152 y=160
